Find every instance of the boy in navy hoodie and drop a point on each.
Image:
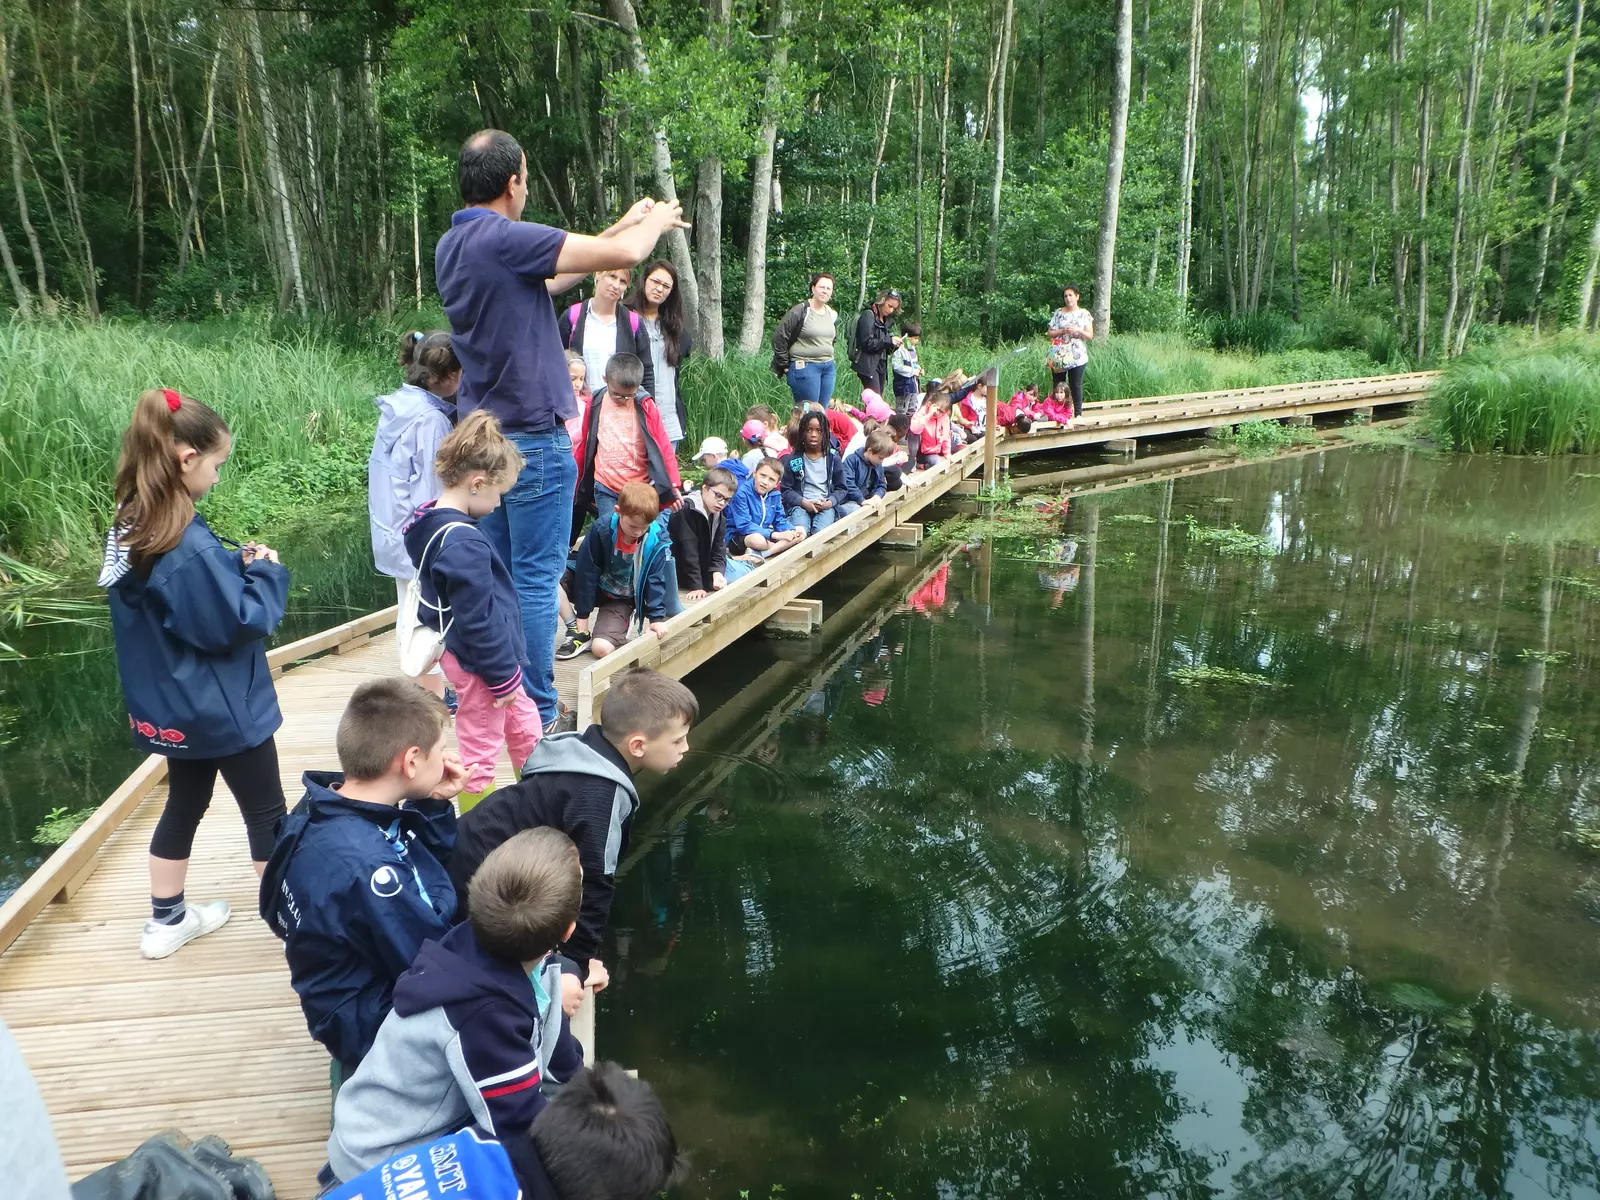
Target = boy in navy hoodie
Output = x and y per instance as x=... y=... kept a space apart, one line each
x=477 y=1023
x=863 y=470
x=357 y=882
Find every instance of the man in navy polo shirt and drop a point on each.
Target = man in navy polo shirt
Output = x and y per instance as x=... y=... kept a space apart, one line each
x=495 y=274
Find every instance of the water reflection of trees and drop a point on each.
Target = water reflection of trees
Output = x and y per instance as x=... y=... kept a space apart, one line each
x=1003 y=907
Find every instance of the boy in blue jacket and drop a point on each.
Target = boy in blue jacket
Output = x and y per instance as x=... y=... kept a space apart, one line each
x=358 y=880
x=757 y=525
x=863 y=470
x=813 y=479
x=625 y=570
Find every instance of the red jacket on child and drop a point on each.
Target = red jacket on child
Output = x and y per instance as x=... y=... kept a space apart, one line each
x=661 y=462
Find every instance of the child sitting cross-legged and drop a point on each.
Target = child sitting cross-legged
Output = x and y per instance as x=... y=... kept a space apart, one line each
x=582 y=784
x=603 y=1133
x=477 y=1025
x=758 y=527
x=813 y=478
x=357 y=881
x=863 y=470
x=624 y=569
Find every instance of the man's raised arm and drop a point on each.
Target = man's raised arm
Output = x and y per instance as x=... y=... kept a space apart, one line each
x=624 y=246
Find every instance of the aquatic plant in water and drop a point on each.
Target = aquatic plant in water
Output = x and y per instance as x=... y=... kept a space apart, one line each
x=1263 y=436
x=59 y=824
x=1533 y=400
x=1193 y=676
x=1231 y=540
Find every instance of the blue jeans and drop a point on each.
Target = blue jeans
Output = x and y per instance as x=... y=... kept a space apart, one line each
x=530 y=530
x=605 y=501
x=814 y=381
x=812 y=522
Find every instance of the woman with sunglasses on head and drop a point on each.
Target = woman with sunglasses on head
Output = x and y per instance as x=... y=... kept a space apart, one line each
x=660 y=306
x=874 y=343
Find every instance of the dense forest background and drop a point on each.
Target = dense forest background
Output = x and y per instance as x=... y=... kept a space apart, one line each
x=1407 y=173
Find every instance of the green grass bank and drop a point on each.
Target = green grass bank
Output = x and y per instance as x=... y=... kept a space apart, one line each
x=1522 y=398
x=299 y=399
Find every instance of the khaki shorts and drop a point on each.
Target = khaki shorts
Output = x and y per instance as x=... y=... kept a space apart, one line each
x=612 y=616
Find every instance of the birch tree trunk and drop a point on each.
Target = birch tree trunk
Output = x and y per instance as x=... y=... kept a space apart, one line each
x=708 y=217
x=14 y=136
x=944 y=162
x=1400 y=255
x=1464 y=167
x=138 y=165
x=1106 y=254
x=1424 y=168
x=1191 y=114
x=69 y=189
x=991 y=265
x=1586 y=305
x=191 y=215
x=1555 y=165
x=753 y=326
x=661 y=157
x=275 y=179
x=872 y=189
x=922 y=88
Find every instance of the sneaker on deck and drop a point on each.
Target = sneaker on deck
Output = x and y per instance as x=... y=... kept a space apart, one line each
x=161 y=940
x=451 y=700
x=565 y=720
x=575 y=645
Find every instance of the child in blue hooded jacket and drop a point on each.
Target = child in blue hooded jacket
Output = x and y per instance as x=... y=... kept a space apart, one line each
x=625 y=570
x=467 y=595
x=190 y=617
x=758 y=527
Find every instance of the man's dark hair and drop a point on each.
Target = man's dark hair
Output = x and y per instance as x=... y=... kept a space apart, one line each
x=911 y=329
x=624 y=371
x=383 y=719
x=484 y=168
x=605 y=1136
x=720 y=477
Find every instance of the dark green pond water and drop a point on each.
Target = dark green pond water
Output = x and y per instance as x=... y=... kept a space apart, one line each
x=999 y=889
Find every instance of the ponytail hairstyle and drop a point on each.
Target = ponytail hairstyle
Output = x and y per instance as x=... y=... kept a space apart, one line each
x=670 y=312
x=153 y=505
x=477 y=447
x=428 y=358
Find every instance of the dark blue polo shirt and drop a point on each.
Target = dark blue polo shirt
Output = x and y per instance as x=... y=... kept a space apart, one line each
x=491 y=276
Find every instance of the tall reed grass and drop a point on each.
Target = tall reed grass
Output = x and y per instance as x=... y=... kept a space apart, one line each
x=1522 y=399
x=299 y=400
x=301 y=412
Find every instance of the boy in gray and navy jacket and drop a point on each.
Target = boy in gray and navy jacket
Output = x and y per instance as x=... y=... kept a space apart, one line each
x=477 y=1024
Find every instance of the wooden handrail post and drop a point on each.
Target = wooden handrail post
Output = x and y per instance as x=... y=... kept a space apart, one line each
x=990 y=481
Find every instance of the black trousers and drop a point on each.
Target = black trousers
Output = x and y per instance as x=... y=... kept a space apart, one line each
x=252 y=777
x=871 y=379
x=1074 y=378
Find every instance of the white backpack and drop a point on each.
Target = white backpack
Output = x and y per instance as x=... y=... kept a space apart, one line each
x=419 y=646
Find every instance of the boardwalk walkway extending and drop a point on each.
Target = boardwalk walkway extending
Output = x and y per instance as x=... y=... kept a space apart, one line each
x=212 y=1040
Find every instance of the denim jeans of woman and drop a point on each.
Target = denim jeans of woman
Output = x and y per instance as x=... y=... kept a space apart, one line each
x=813 y=381
x=530 y=530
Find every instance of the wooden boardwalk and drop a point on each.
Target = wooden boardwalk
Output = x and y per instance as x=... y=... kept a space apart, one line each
x=212 y=1040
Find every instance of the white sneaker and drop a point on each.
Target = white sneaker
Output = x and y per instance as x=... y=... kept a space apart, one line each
x=200 y=919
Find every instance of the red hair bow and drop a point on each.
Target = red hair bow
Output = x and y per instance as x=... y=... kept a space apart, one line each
x=174 y=401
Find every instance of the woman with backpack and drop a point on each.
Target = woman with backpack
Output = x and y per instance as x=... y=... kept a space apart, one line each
x=802 y=345
x=603 y=326
x=660 y=306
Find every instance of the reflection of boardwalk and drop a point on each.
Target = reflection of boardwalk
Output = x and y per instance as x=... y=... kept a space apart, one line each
x=212 y=1039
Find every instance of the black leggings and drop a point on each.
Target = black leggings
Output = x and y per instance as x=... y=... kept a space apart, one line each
x=252 y=777
x=1074 y=378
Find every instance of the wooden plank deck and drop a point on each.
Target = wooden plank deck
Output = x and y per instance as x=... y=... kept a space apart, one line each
x=212 y=1040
